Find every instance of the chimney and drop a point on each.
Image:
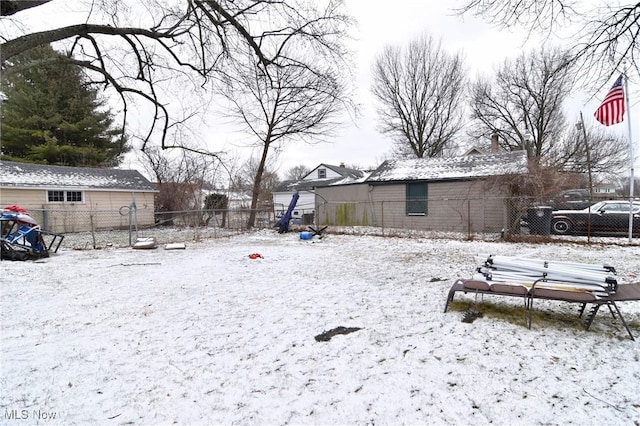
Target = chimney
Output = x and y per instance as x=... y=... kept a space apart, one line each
x=494 y=142
x=342 y=165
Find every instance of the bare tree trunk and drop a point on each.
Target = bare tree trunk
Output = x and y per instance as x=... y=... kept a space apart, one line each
x=257 y=182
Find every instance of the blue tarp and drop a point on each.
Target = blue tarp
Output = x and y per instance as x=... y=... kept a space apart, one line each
x=283 y=222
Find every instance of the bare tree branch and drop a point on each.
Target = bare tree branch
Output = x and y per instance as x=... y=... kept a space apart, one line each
x=539 y=15
x=606 y=40
x=196 y=39
x=10 y=7
x=523 y=103
x=21 y=44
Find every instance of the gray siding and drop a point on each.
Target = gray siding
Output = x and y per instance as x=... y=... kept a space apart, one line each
x=344 y=205
x=461 y=206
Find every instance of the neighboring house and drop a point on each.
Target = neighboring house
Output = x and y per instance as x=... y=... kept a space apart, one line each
x=322 y=175
x=605 y=191
x=467 y=193
x=73 y=199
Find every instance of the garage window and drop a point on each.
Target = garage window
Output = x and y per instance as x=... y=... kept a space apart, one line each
x=73 y=196
x=416 y=199
x=64 y=197
x=55 y=196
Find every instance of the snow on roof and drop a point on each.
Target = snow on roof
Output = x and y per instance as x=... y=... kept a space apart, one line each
x=451 y=168
x=349 y=180
x=343 y=171
x=347 y=176
x=21 y=175
x=293 y=185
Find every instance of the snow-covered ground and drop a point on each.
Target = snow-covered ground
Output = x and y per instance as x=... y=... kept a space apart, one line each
x=208 y=335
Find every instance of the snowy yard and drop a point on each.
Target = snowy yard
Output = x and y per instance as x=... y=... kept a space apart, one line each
x=207 y=335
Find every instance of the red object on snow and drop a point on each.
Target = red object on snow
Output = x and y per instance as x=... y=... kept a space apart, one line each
x=255 y=256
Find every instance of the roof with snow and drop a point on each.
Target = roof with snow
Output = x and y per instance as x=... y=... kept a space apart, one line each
x=294 y=185
x=469 y=166
x=347 y=175
x=343 y=171
x=27 y=175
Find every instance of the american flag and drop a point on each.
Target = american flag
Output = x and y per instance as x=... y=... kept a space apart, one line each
x=611 y=110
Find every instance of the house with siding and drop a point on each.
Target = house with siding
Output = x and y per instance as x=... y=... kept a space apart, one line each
x=74 y=199
x=464 y=194
x=322 y=175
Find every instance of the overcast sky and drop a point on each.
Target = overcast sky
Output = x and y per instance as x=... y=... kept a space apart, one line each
x=483 y=46
x=379 y=24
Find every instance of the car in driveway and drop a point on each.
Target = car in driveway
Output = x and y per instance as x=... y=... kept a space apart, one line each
x=609 y=217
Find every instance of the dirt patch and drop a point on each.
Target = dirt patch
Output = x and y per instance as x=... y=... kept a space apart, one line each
x=327 y=335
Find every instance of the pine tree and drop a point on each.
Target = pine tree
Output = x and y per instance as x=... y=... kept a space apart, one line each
x=51 y=115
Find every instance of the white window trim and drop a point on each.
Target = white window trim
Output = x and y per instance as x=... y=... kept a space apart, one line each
x=65 y=192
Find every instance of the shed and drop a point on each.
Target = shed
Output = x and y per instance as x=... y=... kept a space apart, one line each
x=74 y=199
x=466 y=194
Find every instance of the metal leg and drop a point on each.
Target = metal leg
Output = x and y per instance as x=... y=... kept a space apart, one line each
x=584 y=305
x=529 y=311
x=457 y=286
x=592 y=315
x=621 y=318
x=449 y=299
x=613 y=314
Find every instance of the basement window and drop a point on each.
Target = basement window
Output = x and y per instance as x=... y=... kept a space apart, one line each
x=416 y=199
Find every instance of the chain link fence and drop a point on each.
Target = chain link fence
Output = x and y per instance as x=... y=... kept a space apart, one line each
x=470 y=216
x=95 y=229
x=467 y=218
x=485 y=217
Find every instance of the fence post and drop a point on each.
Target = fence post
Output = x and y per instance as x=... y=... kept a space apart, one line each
x=469 y=224
x=382 y=215
x=45 y=219
x=132 y=222
x=93 y=229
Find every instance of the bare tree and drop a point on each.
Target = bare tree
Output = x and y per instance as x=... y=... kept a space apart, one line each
x=523 y=106
x=419 y=90
x=593 y=149
x=297 y=172
x=138 y=48
x=523 y=103
x=292 y=103
x=606 y=35
x=181 y=179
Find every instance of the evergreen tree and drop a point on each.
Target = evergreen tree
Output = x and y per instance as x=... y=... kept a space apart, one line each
x=51 y=115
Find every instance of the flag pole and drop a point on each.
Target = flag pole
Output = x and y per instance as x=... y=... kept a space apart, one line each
x=632 y=159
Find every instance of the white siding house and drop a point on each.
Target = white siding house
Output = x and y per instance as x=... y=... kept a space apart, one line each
x=322 y=175
x=72 y=199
